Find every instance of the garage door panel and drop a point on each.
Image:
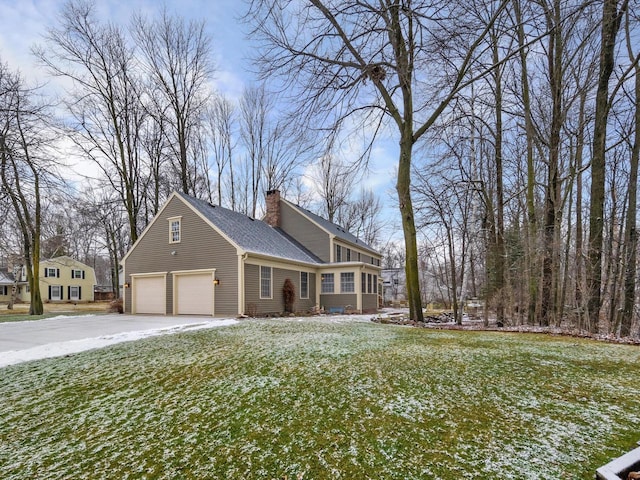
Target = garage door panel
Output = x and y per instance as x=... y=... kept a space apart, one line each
x=194 y=294
x=150 y=294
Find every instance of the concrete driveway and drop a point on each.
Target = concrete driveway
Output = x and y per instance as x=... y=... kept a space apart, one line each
x=31 y=340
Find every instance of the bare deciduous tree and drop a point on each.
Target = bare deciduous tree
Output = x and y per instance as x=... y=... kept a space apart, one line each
x=178 y=58
x=105 y=101
x=26 y=168
x=369 y=61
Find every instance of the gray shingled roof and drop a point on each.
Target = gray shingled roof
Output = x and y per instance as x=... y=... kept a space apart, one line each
x=6 y=278
x=334 y=229
x=252 y=235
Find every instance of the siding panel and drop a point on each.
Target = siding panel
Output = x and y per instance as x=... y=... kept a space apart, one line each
x=276 y=304
x=200 y=247
x=305 y=232
x=338 y=300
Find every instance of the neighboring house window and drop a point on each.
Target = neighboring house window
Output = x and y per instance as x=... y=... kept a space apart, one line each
x=304 y=285
x=4 y=290
x=55 y=292
x=52 y=272
x=327 y=283
x=265 y=282
x=77 y=273
x=338 y=253
x=175 y=230
x=74 y=293
x=347 y=282
x=348 y=254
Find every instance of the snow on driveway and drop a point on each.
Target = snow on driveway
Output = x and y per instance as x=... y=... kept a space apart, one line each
x=63 y=335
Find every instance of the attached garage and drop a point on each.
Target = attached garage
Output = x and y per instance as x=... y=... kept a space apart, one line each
x=149 y=293
x=193 y=292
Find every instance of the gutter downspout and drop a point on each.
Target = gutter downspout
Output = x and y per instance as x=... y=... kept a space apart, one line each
x=241 y=303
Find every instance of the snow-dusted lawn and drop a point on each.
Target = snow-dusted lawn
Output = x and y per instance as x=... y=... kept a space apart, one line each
x=322 y=399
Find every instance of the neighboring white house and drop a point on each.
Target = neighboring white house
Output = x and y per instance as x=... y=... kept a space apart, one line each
x=393 y=285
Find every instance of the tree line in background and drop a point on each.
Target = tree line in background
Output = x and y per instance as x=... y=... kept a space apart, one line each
x=516 y=124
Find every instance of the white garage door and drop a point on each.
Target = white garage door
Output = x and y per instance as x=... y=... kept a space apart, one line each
x=149 y=295
x=194 y=294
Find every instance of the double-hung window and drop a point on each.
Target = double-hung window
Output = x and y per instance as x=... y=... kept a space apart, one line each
x=304 y=285
x=175 y=230
x=347 y=282
x=338 y=253
x=55 y=292
x=327 y=283
x=77 y=273
x=74 y=293
x=265 y=282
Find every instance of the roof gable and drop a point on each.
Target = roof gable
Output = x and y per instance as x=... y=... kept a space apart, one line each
x=65 y=260
x=331 y=228
x=249 y=234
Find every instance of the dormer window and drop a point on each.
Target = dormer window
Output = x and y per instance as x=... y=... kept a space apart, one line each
x=175 y=229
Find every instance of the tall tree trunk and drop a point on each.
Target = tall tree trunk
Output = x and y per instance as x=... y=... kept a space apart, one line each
x=579 y=220
x=631 y=233
x=611 y=18
x=532 y=228
x=552 y=188
x=403 y=188
x=499 y=255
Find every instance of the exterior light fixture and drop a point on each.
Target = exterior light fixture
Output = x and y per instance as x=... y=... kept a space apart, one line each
x=126 y=285
x=216 y=281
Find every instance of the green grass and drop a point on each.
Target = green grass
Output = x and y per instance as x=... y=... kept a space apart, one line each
x=323 y=400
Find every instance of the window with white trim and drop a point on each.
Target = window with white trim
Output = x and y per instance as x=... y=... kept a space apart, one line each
x=348 y=254
x=55 y=292
x=375 y=284
x=74 y=293
x=77 y=273
x=347 y=282
x=369 y=281
x=265 y=282
x=175 y=230
x=327 y=283
x=4 y=290
x=338 y=253
x=304 y=284
x=51 y=272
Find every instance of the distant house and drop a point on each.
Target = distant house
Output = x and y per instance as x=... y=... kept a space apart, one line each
x=393 y=282
x=199 y=258
x=63 y=279
x=6 y=284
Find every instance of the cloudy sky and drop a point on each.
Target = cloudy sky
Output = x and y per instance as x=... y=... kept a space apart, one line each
x=23 y=24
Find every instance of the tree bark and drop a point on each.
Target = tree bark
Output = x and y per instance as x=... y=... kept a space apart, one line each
x=611 y=18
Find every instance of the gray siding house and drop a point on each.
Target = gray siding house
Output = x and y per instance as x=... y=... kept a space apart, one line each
x=196 y=258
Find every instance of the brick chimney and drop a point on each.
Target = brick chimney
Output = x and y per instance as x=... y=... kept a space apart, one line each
x=273 y=208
